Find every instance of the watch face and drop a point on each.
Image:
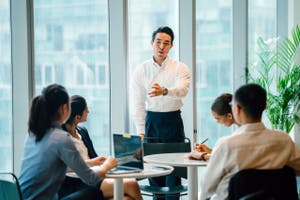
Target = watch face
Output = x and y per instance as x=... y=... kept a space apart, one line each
x=165 y=92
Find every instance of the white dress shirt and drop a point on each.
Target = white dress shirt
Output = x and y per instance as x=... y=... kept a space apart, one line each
x=172 y=74
x=251 y=146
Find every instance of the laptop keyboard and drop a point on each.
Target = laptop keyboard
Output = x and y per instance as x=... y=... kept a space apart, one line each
x=123 y=170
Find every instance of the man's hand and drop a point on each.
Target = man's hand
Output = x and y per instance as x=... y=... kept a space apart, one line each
x=157 y=90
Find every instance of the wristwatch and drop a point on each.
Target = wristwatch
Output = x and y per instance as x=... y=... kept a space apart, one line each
x=165 y=91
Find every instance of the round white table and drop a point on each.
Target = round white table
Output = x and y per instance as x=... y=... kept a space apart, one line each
x=150 y=170
x=180 y=160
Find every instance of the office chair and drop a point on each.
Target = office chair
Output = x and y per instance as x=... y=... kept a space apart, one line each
x=155 y=148
x=9 y=187
x=259 y=184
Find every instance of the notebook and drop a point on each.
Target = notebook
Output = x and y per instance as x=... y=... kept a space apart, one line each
x=128 y=150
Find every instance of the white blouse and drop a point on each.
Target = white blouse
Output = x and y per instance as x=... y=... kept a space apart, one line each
x=81 y=146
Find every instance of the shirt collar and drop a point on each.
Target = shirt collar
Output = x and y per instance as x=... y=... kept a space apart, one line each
x=163 y=65
x=246 y=128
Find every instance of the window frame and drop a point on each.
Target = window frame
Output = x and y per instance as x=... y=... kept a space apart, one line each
x=23 y=60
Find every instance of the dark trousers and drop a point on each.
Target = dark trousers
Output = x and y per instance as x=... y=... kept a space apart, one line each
x=75 y=189
x=166 y=127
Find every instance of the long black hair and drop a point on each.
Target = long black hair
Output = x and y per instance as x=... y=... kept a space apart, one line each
x=222 y=104
x=44 y=109
x=78 y=104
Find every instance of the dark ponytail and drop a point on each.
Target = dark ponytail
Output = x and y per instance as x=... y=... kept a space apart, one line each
x=222 y=104
x=44 y=109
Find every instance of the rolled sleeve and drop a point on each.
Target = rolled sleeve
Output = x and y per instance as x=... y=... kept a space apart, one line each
x=182 y=83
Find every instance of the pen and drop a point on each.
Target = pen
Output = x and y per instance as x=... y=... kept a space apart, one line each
x=204 y=141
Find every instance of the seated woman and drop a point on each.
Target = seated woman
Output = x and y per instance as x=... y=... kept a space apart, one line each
x=221 y=111
x=82 y=141
x=49 y=150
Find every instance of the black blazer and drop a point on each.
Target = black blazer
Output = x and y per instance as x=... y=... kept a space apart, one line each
x=87 y=141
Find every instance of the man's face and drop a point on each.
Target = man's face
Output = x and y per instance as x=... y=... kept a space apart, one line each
x=161 y=46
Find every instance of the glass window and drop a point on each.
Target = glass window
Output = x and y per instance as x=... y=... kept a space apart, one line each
x=145 y=16
x=102 y=74
x=214 y=68
x=262 y=23
x=5 y=88
x=71 y=48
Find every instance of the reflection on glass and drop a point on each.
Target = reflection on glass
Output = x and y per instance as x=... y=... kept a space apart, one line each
x=214 y=71
x=71 y=48
x=5 y=88
x=262 y=23
x=144 y=17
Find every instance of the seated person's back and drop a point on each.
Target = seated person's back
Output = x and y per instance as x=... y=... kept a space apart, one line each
x=251 y=146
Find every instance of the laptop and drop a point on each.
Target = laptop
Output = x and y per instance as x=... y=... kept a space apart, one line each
x=128 y=150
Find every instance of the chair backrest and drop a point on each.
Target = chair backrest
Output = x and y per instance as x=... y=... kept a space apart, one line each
x=263 y=184
x=9 y=187
x=156 y=148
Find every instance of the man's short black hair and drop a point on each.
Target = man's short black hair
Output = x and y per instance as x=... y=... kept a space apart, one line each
x=252 y=98
x=164 y=29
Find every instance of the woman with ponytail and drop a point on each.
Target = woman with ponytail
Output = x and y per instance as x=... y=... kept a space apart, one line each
x=221 y=111
x=49 y=150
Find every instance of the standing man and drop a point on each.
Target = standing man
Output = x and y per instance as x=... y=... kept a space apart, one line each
x=157 y=88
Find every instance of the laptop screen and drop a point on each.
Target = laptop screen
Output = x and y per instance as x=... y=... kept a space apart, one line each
x=128 y=150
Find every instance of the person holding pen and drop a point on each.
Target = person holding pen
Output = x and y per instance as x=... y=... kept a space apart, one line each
x=201 y=151
x=221 y=111
x=250 y=146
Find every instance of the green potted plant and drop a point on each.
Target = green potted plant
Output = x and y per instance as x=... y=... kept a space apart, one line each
x=277 y=72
